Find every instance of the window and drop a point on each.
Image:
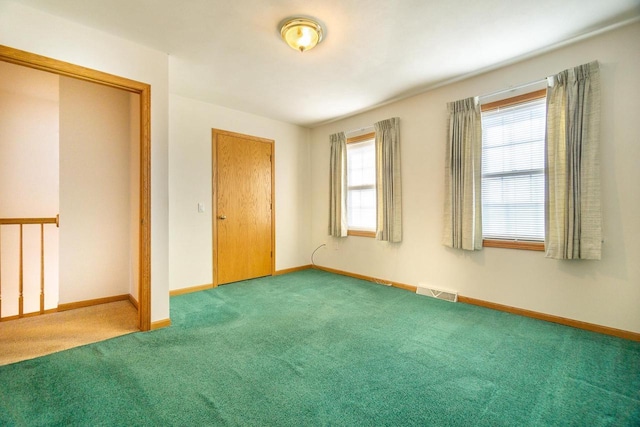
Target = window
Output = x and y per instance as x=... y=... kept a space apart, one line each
x=513 y=180
x=361 y=185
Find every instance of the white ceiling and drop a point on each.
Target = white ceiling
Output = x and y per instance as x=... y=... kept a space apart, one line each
x=229 y=52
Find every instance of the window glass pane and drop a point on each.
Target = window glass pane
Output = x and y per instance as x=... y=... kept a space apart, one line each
x=361 y=168
x=361 y=184
x=361 y=209
x=513 y=171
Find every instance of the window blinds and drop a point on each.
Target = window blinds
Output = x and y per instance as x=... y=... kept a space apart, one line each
x=513 y=172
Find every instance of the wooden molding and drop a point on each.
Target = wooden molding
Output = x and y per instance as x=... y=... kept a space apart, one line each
x=369 y=278
x=33 y=314
x=513 y=244
x=633 y=336
x=16 y=221
x=292 y=270
x=190 y=289
x=62 y=68
x=133 y=301
x=361 y=233
x=542 y=93
x=90 y=302
x=360 y=138
x=619 y=333
x=27 y=59
x=159 y=324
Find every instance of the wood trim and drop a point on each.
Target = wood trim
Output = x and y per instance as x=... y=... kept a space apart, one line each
x=144 y=272
x=619 y=333
x=273 y=207
x=17 y=221
x=21 y=279
x=542 y=93
x=292 y=270
x=32 y=314
x=368 y=278
x=513 y=244
x=19 y=57
x=133 y=301
x=361 y=233
x=633 y=336
x=90 y=302
x=0 y=273
x=190 y=289
x=360 y=138
x=31 y=60
x=214 y=207
x=41 y=268
x=159 y=324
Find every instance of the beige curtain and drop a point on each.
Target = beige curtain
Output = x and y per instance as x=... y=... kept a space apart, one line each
x=573 y=216
x=388 y=182
x=462 y=206
x=338 y=186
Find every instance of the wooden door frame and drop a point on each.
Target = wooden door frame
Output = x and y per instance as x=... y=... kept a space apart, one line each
x=19 y=57
x=214 y=207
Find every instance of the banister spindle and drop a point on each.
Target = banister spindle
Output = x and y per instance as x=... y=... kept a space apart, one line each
x=0 y=271
x=21 y=282
x=41 y=268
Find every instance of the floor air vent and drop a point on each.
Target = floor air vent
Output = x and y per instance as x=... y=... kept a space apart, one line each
x=437 y=293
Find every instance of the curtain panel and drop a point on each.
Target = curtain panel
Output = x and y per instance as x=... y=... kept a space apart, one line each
x=338 y=186
x=573 y=212
x=462 y=204
x=388 y=182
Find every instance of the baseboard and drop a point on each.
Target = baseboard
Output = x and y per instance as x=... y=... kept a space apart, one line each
x=190 y=289
x=210 y=286
x=159 y=324
x=619 y=333
x=33 y=314
x=133 y=301
x=90 y=302
x=292 y=270
x=398 y=285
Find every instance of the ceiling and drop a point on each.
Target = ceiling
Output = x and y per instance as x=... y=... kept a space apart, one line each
x=229 y=52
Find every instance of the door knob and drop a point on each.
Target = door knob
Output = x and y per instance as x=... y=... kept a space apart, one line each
x=222 y=217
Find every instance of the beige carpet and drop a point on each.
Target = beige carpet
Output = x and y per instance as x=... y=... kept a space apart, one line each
x=31 y=337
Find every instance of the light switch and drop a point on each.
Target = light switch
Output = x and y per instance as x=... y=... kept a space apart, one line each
x=200 y=207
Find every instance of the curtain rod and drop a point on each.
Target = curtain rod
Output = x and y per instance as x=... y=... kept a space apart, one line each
x=367 y=128
x=512 y=88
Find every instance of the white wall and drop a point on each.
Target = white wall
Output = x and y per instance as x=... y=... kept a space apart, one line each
x=37 y=32
x=95 y=213
x=28 y=143
x=605 y=292
x=134 y=193
x=28 y=183
x=190 y=251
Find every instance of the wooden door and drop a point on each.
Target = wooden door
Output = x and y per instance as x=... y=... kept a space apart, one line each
x=243 y=219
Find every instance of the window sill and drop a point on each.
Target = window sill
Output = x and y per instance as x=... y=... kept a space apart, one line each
x=361 y=233
x=513 y=244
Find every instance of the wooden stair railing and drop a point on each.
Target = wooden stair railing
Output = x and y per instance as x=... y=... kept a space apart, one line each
x=22 y=222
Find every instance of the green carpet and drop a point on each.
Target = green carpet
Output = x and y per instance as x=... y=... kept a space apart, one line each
x=313 y=348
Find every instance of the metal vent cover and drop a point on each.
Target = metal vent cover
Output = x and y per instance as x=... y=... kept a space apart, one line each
x=442 y=294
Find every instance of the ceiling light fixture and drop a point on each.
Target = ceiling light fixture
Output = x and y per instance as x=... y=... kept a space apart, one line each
x=301 y=33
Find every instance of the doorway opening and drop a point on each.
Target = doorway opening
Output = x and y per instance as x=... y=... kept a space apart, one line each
x=143 y=216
